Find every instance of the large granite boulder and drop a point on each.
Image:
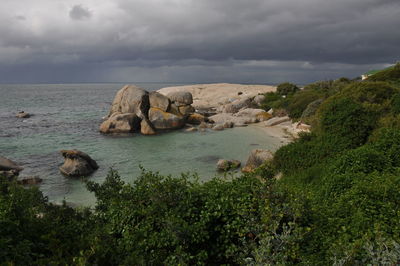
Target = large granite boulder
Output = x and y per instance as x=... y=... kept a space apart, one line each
x=258 y=115
x=157 y=100
x=237 y=105
x=226 y=165
x=121 y=123
x=77 y=163
x=181 y=98
x=162 y=120
x=259 y=99
x=131 y=99
x=256 y=159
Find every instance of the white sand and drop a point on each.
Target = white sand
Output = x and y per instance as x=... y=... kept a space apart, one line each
x=213 y=95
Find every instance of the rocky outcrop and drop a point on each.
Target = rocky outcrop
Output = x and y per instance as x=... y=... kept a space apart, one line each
x=242 y=118
x=77 y=163
x=157 y=100
x=131 y=99
x=23 y=114
x=226 y=165
x=256 y=159
x=163 y=121
x=258 y=100
x=121 y=123
x=8 y=168
x=136 y=110
x=237 y=105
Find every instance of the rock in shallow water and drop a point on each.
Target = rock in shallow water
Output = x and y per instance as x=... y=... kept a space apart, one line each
x=77 y=163
x=23 y=114
x=121 y=123
x=157 y=100
x=226 y=165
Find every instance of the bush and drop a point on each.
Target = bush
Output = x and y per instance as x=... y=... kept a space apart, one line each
x=271 y=100
x=310 y=111
x=286 y=89
x=346 y=119
x=164 y=220
x=299 y=102
x=389 y=74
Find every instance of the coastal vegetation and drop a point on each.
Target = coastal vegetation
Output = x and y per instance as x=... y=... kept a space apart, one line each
x=331 y=197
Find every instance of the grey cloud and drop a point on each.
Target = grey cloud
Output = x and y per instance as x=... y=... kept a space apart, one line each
x=79 y=12
x=255 y=40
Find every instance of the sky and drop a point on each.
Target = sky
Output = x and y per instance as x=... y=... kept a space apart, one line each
x=195 y=41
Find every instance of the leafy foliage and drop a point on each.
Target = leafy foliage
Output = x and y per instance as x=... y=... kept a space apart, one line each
x=286 y=89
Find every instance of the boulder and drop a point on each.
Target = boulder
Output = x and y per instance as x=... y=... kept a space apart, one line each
x=256 y=115
x=121 y=123
x=181 y=98
x=191 y=129
x=23 y=114
x=8 y=165
x=131 y=99
x=218 y=127
x=162 y=120
x=237 y=105
x=146 y=128
x=258 y=100
x=196 y=119
x=77 y=163
x=226 y=165
x=276 y=121
x=31 y=180
x=228 y=124
x=186 y=110
x=256 y=159
x=157 y=100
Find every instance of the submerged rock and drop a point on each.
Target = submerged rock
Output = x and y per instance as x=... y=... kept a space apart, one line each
x=226 y=165
x=23 y=114
x=121 y=123
x=162 y=120
x=30 y=180
x=256 y=159
x=77 y=163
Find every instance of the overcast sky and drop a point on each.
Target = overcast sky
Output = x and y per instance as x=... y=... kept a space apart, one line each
x=252 y=41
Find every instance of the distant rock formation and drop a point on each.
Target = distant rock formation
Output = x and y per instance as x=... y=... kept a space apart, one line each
x=136 y=110
x=23 y=114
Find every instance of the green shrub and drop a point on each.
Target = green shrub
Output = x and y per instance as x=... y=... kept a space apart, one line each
x=395 y=103
x=299 y=102
x=164 y=220
x=271 y=100
x=309 y=113
x=346 y=119
x=389 y=74
x=286 y=89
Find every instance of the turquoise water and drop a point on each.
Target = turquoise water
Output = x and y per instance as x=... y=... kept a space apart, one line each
x=67 y=116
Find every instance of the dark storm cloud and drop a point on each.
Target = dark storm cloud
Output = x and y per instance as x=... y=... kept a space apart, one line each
x=225 y=40
x=79 y=13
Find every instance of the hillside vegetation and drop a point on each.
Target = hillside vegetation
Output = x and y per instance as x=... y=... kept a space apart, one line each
x=337 y=201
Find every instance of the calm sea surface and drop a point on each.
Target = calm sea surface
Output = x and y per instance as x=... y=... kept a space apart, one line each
x=67 y=116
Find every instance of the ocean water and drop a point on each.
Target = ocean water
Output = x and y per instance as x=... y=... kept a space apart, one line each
x=67 y=116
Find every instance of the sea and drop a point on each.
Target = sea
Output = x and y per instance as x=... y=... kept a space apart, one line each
x=67 y=116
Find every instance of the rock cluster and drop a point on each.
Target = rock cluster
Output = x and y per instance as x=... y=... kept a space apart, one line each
x=226 y=165
x=136 y=110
